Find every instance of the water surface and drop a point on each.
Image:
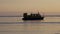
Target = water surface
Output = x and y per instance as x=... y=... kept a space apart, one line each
x=15 y=25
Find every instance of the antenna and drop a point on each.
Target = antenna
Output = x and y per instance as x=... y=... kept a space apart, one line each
x=38 y=11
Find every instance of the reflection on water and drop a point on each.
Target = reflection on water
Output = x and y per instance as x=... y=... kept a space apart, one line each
x=15 y=25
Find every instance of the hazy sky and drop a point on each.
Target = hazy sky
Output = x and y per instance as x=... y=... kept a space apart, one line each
x=12 y=7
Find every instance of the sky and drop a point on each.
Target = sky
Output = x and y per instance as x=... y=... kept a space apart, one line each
x=16 y=7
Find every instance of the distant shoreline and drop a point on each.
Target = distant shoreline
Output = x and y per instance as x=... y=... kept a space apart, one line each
x=45 y=16
x=10 y=16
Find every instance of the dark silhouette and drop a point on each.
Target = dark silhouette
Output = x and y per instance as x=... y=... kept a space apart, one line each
x=32 y=16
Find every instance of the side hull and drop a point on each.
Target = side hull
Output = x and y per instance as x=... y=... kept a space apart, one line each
x=33 y=18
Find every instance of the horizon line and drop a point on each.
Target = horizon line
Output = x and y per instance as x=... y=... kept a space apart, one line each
x=44 y=15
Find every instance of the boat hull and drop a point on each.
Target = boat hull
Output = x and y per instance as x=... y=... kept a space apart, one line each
x=33 y=18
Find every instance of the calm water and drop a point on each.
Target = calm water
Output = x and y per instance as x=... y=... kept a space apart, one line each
x=15 y=25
